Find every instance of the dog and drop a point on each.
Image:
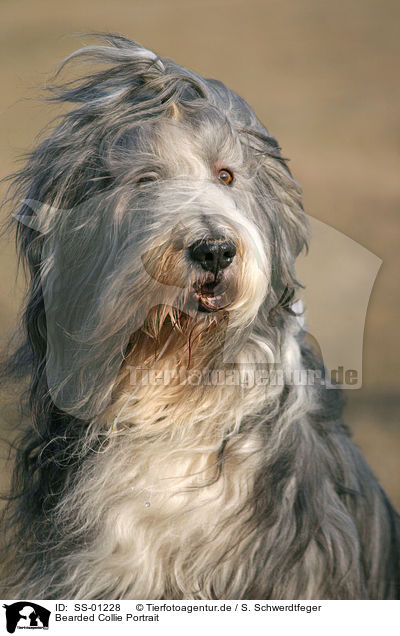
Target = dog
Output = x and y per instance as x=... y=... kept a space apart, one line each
x=159 y=226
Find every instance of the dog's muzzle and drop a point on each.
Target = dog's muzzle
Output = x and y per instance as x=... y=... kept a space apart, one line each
x=213 y=256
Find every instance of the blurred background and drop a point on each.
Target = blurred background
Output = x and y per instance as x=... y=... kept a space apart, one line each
x=324 y=79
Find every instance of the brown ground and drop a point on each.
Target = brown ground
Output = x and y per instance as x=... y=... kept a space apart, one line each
x=323 y=77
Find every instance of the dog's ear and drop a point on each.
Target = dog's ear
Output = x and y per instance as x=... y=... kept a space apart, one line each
x=75 y=356
x=289 y=228
x=69 y=234
x=87 y=297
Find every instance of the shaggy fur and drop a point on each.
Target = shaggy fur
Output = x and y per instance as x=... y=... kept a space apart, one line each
x=131 y=488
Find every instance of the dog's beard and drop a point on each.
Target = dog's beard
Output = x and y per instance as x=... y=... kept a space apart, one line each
x=202 y=317
x=193 y=337
x=204 y=298
x=204 y=291
x=191 y=323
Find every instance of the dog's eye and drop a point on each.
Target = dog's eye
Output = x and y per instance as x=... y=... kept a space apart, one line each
x=225 y=176
x=147 y=178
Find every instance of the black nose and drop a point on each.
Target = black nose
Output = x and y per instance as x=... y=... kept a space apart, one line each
x=212 y=255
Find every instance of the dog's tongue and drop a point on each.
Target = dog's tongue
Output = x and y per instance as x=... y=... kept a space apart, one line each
x=211 y=297
x=210 y=303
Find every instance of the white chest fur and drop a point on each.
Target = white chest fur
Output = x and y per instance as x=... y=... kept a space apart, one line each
x=165 y=499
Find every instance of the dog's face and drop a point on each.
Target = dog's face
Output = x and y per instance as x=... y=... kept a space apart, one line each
x=195 y=219
x=164 y=205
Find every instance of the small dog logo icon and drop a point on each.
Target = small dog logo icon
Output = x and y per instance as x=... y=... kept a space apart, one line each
x=26 y=615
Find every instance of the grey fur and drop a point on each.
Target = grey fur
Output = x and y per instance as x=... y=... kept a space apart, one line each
x=255 y=493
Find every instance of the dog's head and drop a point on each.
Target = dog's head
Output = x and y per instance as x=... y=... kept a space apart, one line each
x=158 y=203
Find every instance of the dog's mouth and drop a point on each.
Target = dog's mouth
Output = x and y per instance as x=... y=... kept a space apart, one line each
x=211 y=296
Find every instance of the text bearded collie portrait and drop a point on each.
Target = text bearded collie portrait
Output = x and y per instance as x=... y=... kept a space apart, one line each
x=159 y=226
